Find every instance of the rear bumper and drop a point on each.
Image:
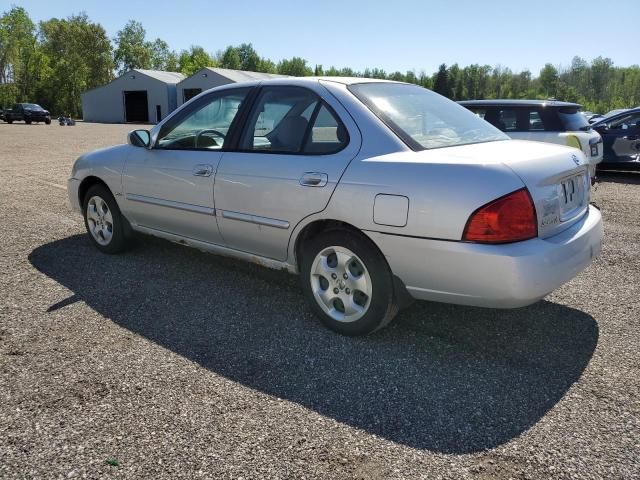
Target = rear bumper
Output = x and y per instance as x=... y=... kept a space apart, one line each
x=497 y=276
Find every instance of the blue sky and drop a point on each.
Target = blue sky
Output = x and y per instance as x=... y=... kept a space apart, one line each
x=394 y=35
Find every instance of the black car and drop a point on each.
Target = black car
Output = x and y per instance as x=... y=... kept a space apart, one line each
x=28 y=113
x=621 y=136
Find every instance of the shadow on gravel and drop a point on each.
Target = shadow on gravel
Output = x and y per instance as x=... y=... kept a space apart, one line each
x=630 y=178
x=444 y=378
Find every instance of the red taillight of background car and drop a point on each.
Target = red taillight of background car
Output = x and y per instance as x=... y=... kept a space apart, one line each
x=511 y=218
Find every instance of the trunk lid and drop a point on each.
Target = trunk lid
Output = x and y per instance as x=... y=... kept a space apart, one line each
x=556 y=176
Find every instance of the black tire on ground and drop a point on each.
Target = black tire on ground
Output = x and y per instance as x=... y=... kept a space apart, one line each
x=28 y=122
x=119 y=241
x=48 y=121
x=383 y=304
x=9 y=122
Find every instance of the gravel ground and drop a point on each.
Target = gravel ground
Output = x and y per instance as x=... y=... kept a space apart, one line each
x=166 y=362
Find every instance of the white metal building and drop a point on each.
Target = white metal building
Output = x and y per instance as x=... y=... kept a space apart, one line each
x=144 y=96
x=210 y=77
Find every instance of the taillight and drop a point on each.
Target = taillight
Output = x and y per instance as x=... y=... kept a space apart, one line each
x=511 y=218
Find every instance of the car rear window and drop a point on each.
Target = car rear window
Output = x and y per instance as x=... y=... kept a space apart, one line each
x=423 y=119
x=572 y=119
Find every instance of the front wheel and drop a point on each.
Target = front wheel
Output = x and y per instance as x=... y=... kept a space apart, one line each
x=347 y=282
x=47 y=121
x=103 y=220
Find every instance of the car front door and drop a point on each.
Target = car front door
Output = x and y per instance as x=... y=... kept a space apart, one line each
x=621 y=137
x=292 y=151
x=169 y=187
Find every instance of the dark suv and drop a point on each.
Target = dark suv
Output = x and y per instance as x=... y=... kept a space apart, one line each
x=28 y=113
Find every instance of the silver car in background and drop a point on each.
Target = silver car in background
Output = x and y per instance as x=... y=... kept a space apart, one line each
x=373 y=191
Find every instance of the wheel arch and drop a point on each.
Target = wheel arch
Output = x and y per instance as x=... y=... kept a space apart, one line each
x=89 y=182
x=325 y=225
x=86 y=184
x=314 y=228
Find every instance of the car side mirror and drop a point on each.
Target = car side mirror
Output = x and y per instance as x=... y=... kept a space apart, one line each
x=140 y=138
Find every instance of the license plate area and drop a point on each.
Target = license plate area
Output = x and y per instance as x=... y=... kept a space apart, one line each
x=594 y=150
x=571 y=192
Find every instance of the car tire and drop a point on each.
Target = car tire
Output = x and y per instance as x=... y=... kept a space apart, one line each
x=28 y=122
x=48 y=121
x=104 y=221
x=9 y=122
x=347 y=282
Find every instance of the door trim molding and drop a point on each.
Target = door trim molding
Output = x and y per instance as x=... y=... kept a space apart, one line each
x=245 y=217
x=171 y=204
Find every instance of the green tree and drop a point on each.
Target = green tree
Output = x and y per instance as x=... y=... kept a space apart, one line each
x=455 y=79
x=194 y=59
x=266 y=66
x=69 y=69
x=132 y=50
x=18 y=55
x=441 y=81
x=162 y=57
x=249 y=58
x=230 y=58
x=296 y=67
x=549 y=81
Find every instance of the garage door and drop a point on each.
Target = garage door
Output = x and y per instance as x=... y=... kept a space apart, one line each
x=136 y=107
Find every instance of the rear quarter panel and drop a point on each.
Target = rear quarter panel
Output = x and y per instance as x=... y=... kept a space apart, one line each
x=441 y=196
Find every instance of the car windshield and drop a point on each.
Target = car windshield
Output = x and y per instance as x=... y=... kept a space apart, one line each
x=31 y=106
x=423 y=119
x=573 y=120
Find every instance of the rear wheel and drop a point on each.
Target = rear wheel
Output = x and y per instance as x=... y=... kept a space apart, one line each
x=103 y=220
x=9 y=121
x=47 y=121
x=28 y=122
x=347 y=282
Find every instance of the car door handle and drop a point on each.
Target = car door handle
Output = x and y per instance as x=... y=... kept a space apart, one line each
x=202 y=170
x=314 y=179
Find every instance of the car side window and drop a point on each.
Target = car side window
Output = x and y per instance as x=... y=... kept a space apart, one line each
x=205 y=124
x=327 y=134
x=292 y=120
x=625 y=123
x=507 y=120
x=535 y=122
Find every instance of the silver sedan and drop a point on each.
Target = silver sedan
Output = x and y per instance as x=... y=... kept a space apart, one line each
x=374 y=192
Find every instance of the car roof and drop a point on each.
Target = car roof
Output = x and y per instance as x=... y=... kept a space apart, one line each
x=517 y=103
x=343 y=80
x=306 y=80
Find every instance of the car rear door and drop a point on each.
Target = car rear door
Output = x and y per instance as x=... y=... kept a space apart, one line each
x=169 y=187
x=294 y=147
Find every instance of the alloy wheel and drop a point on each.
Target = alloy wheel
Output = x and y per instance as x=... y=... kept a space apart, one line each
x=341 y=284
x=99 y=220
